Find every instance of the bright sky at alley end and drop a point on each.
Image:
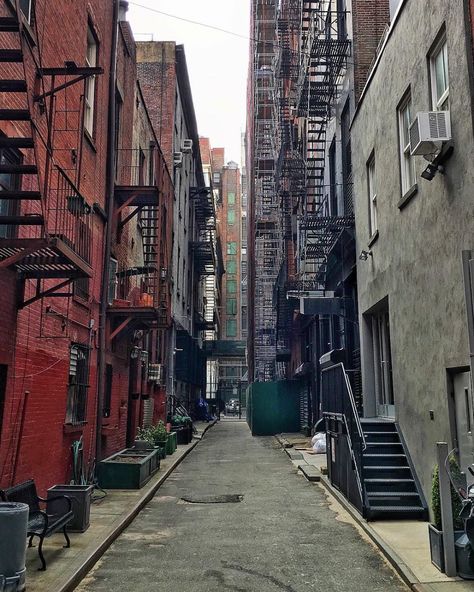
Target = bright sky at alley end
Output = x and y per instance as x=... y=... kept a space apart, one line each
x=217 y=61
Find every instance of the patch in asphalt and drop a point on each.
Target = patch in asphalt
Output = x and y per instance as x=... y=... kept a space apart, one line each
x=229 y=498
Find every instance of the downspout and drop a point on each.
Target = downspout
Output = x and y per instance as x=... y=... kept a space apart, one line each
x=109 y=210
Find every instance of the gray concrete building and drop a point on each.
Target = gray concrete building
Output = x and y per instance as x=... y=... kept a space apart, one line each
x=411 y=233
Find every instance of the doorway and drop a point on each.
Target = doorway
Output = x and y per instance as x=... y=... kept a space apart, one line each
x=463 y=419
x=378 y=365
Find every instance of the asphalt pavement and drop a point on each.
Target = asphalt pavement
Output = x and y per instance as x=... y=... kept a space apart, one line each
x=235 y=515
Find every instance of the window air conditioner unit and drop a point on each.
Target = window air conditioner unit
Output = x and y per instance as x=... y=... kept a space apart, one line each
x=187 y=146
x=428 y=130
x=156 y=373
x=178 y=159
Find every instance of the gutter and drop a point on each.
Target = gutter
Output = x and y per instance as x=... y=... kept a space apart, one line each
x=109 y=210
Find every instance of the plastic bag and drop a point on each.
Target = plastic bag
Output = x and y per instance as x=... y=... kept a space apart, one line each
x=318 y=436
x=319 y=444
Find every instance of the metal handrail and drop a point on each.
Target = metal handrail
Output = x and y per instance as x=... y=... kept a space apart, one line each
x=332 y=407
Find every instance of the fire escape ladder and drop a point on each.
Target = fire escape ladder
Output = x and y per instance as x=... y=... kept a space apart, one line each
x=45 y=226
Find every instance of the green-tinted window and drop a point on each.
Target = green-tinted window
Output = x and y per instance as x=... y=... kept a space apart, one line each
x=231 y=306
x=231 y=328
x=231 y=267
x=232 y=248
x=231 y=286
x=231 y=198
x=230 y=216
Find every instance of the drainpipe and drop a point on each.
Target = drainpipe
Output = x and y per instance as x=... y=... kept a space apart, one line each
x=109 y=209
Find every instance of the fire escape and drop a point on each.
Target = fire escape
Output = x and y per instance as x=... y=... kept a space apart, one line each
x=267 y=231
x=324 y=54
x=140 y=294
x=45 y=222
x=289 y=169
x=204 y=251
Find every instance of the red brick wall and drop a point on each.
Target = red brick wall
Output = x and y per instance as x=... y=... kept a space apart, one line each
x=39 y=362
x=369 y=18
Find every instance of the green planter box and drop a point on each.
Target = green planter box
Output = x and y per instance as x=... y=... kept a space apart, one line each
x=171 y=443
x=80 y=496
x=120 y=472
x=163 y=446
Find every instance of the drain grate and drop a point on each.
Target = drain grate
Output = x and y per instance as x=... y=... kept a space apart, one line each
x=229 y=498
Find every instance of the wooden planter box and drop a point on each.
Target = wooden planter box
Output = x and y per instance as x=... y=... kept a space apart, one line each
x=128 y=469
x=171 y=443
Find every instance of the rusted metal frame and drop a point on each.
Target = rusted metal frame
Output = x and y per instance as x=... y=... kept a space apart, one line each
x=126 y=204
x=49 y=292
x=55 y=89
x=130 y=216
x=18 y=257
x=75 y=259
x=119 y=329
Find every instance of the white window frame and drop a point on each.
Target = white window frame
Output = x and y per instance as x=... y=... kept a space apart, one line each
x=89 y=96
x=407 y=161
x=28 y=8
x=439 y=103
x=372 y=194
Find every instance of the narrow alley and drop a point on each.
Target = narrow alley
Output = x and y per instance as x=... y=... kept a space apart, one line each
x=282 y=535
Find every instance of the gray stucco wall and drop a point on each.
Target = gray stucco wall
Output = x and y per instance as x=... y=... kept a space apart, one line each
x=416 y=260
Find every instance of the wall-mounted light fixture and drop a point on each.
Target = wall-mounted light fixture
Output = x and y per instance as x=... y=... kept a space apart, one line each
x=364 y=255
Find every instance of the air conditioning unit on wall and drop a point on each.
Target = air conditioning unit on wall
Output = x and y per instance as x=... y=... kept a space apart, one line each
x=428 y=131
x=178 y=159
x=156 y=373
x=187 y=146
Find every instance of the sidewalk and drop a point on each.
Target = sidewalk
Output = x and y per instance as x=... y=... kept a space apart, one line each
x=403 y=543
x=109 y=517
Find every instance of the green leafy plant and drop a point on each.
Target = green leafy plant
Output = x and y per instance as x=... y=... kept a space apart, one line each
x=146 y=434
x=455 y=501
x=180 y=420
x=159 y=432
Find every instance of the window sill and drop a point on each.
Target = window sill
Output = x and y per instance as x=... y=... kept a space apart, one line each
x=69 y=428
x=405 y=200
x=373 y=239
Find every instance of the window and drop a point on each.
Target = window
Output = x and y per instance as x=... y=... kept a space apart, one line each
x=231 y=266
x=108 y=390
x=231 y=198
x=231 y=286
x=113 y=268
x=407 y=162
x=231 y=328
x=372 y=196
x=89 y=98
x=230 y=216
x=439 y=76
x=231 y=306
x=78 y=384
x=232 y=248
x=25 y=7
x=8 y=182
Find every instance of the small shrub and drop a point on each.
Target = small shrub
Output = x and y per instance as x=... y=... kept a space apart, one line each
x=455 y=501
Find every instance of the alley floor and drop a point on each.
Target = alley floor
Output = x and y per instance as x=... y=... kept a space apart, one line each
x=270 y=531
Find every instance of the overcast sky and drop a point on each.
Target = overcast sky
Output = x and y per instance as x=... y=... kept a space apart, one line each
x=217 y=62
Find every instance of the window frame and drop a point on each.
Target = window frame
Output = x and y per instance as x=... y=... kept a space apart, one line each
x=231 y=323
x=231 y=198
x=231 y=247
x=230 y=283
x=78 y=385
x=231 y=306
x=372 y=196
x=231 y=217
x=440 y=47
x=407 y=161
x=28 y=17
x=90 y=85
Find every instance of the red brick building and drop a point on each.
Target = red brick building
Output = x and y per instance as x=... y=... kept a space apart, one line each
x=83 y=184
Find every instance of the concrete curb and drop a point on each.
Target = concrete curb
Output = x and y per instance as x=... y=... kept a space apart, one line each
x=89 y=563
x=390 y=555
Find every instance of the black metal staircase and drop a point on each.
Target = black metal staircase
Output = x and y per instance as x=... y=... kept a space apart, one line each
x=390 y=486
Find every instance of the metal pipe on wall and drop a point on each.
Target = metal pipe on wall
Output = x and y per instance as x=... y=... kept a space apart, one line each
x=109 y=209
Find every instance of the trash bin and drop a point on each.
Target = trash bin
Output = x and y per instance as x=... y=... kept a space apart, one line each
x=464 y=557
x=13 y=529
x=80 y=496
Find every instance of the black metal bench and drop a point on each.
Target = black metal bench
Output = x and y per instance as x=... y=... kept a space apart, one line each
x=41 y=523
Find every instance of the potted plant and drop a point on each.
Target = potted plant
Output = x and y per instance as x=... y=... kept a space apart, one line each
x=435 y=529
x=160 y=436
